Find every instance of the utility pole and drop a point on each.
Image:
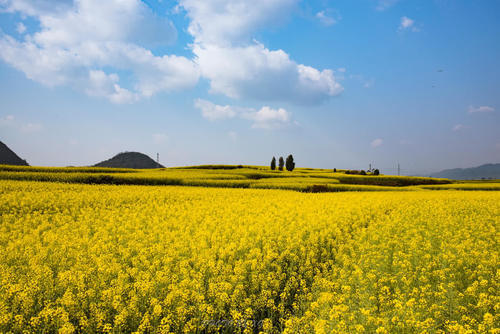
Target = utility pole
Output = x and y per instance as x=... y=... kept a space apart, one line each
x=158 y=160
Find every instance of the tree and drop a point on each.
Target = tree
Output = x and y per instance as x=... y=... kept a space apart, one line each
x=335 y=170
x=290 y=165
x=281 y=163
x=376 y=172
x=273 y=164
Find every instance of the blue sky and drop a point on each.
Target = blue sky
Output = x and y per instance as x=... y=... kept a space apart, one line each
x=337 y=83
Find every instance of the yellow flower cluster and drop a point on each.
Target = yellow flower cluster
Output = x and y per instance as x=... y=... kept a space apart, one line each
x=88 y=258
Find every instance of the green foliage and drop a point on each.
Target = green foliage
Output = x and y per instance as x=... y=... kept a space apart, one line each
x=273 y=163
x=290 y=164
x=376 y=172
x=281 y=163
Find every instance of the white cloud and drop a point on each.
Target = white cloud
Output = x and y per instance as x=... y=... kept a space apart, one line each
x=264 y=118
x=159 y=138
x=407 y=24
x=105 y=85
x=77 y=42
x=256 y=72
x=328 y=17
x=229 y=22
x=480 y=109
x=103 y=48
x=269 y=118
x=35 y=7
x=238 y=67
x=376 y=142
x=213 y=111
x=385 y=4
x=458 y=127
x=20 y=28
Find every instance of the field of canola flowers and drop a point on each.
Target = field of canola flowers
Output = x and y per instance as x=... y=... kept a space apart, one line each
x=224 y=176
x=119 y=259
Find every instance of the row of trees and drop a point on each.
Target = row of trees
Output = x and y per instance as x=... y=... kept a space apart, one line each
x=290 y=164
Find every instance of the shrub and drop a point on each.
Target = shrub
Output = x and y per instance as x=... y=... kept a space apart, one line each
x=362 y=172
x=335 y=170
x=376 y=172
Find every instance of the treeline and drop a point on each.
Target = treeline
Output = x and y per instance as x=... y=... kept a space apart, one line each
x=289 y=164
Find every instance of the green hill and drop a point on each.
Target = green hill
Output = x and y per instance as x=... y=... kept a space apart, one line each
x=130 y=160
x=8 y=157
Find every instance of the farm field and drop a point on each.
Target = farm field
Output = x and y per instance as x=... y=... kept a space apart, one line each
x=301 y=179
x=176 y=259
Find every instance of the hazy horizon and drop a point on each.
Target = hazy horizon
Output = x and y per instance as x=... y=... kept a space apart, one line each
x=335 y=83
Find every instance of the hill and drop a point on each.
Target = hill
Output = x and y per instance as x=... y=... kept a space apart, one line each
x=130 y=160
x=8 y=157
x=475 y=173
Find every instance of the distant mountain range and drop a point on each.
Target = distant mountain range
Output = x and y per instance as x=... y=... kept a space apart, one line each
x=487 y=171
x=130 y=160
x=8 y=157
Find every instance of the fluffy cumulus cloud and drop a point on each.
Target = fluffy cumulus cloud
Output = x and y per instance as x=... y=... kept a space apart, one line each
x=264 y=118
x=480 y=109
x=86 y=43
x=240 y=67
x=213 y=111
x=256 y=72
x=269 y=118
x=103 y=48
x=230 y=22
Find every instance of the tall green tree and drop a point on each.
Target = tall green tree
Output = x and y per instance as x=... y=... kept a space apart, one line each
x=281 y=163
x=273 y=164
x=290 y=164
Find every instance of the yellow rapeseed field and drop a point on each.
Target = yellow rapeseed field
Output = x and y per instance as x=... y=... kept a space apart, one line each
x=119 y=259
